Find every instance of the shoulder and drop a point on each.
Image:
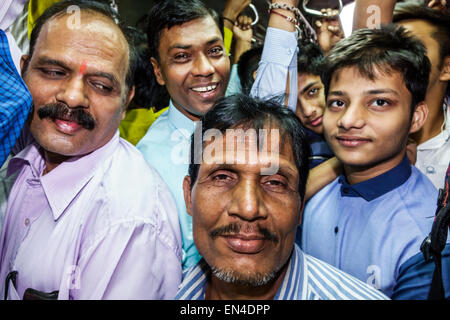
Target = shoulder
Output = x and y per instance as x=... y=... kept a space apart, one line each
x=331 y=283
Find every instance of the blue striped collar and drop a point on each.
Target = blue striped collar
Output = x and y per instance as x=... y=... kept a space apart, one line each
x=193 y=286
x=380 y=185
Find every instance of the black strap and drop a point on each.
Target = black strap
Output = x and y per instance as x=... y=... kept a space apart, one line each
x=437 y=288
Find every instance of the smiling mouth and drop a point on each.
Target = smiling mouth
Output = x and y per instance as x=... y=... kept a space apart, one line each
x=205 y=89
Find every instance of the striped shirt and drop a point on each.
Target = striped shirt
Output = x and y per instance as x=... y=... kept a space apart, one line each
x=306 y=278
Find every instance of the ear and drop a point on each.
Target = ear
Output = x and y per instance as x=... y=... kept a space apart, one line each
x=445 y=72
x=130 y=97
x=23 y=61
x=419 y=117
x=300 y=216
x=187 y=194
x=157 y=71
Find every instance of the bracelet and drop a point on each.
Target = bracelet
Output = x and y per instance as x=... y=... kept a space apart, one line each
x=290 y=19
x=285 y=6
x=228 y=19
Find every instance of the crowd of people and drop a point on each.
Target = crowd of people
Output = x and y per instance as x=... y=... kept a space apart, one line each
x=179 y=159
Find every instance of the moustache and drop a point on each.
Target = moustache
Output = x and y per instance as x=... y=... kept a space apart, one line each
x=61 y=111
x=235 y=229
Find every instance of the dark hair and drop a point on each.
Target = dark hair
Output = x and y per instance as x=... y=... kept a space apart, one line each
x=310 y=58
x=242 y=111
x=169 y=13
x=390 y=48
x=247 y=65
x=103 y=8
x=440 y=20
x=144 y=86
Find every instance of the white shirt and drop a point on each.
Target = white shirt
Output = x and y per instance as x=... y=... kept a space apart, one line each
x=433 y=156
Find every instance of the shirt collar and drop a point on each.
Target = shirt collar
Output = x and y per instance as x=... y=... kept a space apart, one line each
x=193 y=286
x=380 y=185
x=179 y=120
x=64 y=183
x=439 y=140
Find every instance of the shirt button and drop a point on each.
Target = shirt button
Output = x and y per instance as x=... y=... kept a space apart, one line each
x=431 y=170
x=27 y=222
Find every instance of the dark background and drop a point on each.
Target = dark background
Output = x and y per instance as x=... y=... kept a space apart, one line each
x=132 y=10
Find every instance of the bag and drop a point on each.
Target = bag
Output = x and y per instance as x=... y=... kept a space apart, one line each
x=434 y=244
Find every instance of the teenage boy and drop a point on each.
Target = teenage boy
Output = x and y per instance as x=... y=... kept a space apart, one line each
x=373 y=218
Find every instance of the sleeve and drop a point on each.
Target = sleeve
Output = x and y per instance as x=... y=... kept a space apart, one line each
x=234 y=85
x=279 y=59
x=15 y=100
x=416 y=274
x=135 y=259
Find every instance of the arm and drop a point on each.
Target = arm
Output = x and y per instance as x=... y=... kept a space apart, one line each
x=322 y=175
x=372 y=13
x=329 y=30
x=243 y=33
x=229 y=16
x=277 y=72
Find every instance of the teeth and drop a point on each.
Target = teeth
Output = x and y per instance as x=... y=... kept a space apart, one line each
x=205 y=89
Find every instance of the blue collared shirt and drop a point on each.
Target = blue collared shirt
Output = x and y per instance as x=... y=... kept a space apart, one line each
x=166 y=147
x=371 y=229
x=306 y=278
x=15 y=101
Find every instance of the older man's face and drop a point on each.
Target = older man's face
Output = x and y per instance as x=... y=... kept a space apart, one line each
x=76 y=77
x=245 y=220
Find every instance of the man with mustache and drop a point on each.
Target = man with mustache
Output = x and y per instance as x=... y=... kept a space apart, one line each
x=77 y=225
x=189 y=58
x=246 y=198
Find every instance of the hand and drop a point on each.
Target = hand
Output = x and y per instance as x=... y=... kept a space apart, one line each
x=291 y=2
x=234 y=7
x=328 y=30
x=440 y=5
x=242 y=29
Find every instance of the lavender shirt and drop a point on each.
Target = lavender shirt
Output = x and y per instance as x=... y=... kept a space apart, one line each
x=101 y=226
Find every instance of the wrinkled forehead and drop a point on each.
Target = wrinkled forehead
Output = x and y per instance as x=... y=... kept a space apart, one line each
x=85 y=25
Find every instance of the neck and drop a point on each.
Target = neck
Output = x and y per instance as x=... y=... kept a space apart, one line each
x=189 y=115
x=52 y=160
x=217 y=289
x=432 y=127
x=356 y=175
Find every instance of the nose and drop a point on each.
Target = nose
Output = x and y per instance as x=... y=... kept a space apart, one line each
x=247 y=203
x=203 y=66
x=73 y=93
x=309 y=111
x=352 y=117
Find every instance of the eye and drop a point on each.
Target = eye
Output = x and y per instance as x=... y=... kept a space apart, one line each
x=216 y=51
x=380 y=103
x=52 y=73
x=181 y=57
x=101 y=87
x=275 y=183
x=313 y=92
x=336 y=104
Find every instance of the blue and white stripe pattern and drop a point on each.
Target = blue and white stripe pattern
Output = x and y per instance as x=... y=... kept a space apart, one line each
x=306 y=278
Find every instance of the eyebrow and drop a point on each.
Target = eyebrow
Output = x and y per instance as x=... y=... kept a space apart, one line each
x=381 y=91
x=101 y=74
x=188 y=46
x=284 y=170
x=309 y=86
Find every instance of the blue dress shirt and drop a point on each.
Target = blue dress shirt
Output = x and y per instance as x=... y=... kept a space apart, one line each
x=371 y=229
x=306 y=278
x=166 y=147
x=15 y=101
